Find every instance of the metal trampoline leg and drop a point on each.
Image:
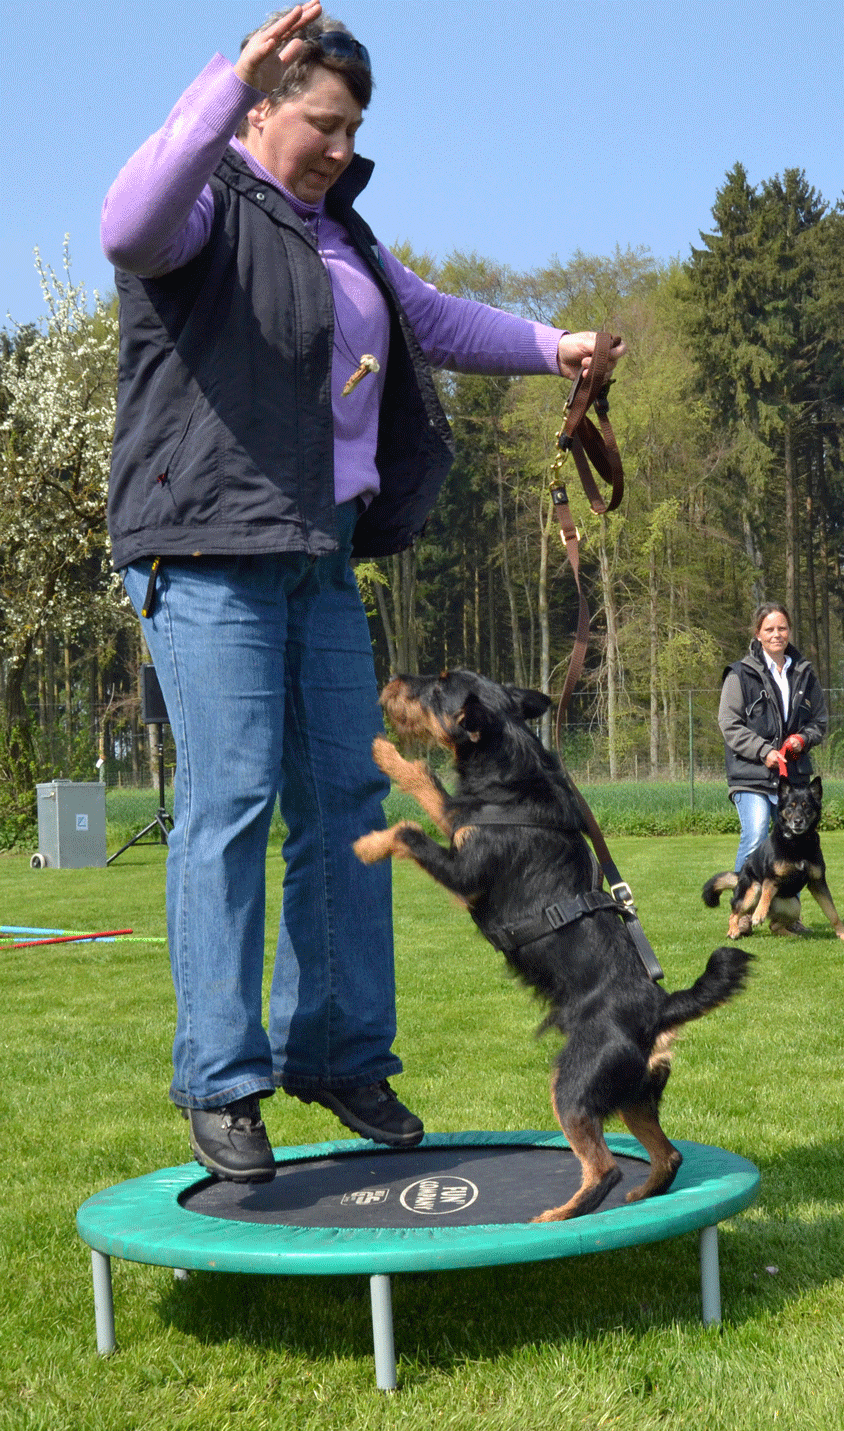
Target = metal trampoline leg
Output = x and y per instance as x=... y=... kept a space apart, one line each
x=710 y=1279
x=382 y=1332
x=103 y=1302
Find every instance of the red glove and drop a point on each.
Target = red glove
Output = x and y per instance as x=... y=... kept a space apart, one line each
x=794 y=746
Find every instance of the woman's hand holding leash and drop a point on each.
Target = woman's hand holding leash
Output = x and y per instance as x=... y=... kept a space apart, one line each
x=792 y=748
x=576 y=350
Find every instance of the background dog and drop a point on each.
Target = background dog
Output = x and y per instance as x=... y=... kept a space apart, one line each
x=518 y=860
x=773 y=876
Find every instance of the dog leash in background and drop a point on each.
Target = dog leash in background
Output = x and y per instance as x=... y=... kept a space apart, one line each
x=791 y=749
x=593 y=445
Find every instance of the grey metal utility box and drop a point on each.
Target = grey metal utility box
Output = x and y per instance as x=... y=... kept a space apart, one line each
x=71 y=825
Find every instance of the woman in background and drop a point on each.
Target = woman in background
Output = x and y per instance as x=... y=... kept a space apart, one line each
x=772 y=708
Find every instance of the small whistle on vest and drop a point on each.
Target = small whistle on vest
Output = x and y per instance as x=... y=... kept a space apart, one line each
x=367 y=364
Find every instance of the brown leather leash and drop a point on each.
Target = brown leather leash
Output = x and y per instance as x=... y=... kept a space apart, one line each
x=586 y=442
x=593 y=447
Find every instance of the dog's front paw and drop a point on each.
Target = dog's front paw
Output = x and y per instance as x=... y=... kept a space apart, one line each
x=839 y=929
x=381 y=748
x=373 y=847
x=387 y=758
x=740 y=927
x=383 y=844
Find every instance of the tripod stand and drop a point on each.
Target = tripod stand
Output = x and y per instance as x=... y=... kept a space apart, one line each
x=162 y=822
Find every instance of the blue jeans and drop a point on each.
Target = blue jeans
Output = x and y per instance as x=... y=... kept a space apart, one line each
x=755 y=812
x=265 y=665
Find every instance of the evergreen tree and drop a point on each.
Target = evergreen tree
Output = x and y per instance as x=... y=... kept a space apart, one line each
x=752 y=324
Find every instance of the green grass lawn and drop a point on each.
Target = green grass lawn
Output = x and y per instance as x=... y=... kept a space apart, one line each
x=599 y=1341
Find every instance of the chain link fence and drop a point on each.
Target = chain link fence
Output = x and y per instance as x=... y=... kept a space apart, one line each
x=689 y=743
x=689 y=772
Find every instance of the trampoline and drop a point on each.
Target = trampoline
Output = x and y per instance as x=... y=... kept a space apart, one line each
x=457 y=1200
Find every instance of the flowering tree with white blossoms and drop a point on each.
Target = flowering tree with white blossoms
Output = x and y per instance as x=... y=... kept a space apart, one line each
x=57 y=405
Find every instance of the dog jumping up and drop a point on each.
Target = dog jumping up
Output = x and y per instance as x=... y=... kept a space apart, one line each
x=517 y=858
x=772 y=877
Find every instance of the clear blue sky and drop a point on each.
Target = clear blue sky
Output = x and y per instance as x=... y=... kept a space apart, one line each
x=517 y=131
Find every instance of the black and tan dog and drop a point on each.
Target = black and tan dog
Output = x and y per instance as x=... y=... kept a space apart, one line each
x=518 y=859
x=772 y=877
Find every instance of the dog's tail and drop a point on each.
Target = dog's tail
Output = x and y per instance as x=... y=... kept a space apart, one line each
x=714 y=887
x=725 y=975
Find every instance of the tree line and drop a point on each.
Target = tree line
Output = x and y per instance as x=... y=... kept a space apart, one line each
x=728 y=411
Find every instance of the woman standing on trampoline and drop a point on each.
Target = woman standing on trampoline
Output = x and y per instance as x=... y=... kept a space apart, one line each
x=276 y=416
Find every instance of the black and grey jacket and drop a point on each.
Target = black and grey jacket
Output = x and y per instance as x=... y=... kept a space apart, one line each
x=224 y=437
x=752 y=721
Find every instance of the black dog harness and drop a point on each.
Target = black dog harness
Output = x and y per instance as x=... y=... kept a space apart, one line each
x=510 y=937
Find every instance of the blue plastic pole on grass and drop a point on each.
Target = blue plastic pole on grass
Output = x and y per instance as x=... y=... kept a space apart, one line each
x=47 y=936
x=27 y=929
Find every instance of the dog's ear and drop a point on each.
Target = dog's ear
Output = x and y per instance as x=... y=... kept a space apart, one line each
x=783 y=788
x=530 y=705
x=816 y=787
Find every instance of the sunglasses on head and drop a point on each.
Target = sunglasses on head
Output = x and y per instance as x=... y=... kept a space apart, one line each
x=342 y=47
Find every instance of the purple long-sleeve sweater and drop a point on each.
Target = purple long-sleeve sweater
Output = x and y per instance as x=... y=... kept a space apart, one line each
x=157 y=216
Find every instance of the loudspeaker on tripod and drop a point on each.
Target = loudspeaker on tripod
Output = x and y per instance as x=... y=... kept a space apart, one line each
x=153 y=709
x=153 y=712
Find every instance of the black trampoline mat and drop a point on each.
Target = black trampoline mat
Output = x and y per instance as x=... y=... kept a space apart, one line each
x=435 y=1187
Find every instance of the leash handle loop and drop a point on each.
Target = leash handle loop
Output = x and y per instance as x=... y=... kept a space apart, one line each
x=590 y=444
x=593 y=447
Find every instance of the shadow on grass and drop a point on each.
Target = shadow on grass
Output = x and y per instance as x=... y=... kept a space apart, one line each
x=811 y=1174
x=441 y=1320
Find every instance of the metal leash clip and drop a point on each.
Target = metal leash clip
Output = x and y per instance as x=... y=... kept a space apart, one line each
x=560 y=499
x=623 y=894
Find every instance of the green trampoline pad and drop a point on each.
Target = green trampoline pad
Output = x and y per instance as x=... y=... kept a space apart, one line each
x=153 y=1219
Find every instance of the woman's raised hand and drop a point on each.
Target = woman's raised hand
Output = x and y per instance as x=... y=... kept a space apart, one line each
x=265 y=53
